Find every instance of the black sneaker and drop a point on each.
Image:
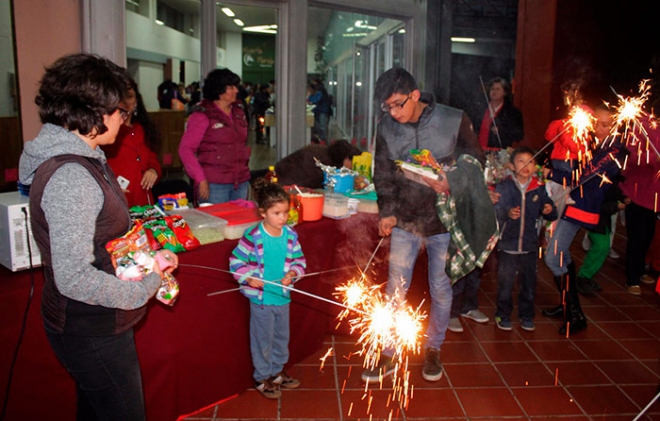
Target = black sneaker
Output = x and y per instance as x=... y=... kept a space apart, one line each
x=384 y=368
x=284 y=380
x=268 y=389
x=432 y=370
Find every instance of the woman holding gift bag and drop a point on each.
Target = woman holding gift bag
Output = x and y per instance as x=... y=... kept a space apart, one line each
x=76 y=207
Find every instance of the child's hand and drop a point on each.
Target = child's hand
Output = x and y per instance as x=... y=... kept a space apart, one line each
x=514 y=213
x=288 y=278
x=547 y=208
x=255 y=283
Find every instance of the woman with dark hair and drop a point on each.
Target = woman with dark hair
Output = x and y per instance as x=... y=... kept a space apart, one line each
x=214 y=149
x=133 y=155
x=76 y=207
x=501 y=124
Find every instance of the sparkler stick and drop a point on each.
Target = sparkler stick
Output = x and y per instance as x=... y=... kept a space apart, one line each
x=639 y=416
x=550 y=142
x=491 y=111
x=309 y=294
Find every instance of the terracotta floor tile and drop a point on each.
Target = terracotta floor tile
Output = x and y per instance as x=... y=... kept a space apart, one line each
x=434 y=404
x=473 y=375
x=560 y=350
x=482 y=402
x=624 y=330
x=249 y=402
x=644 y=349
x=602 y=400
x=628 y=372
x=606 y=313
x=459 y=352
x=578 y=373
x=642 y=395
x=377 y=404
x=603 y=350
x=309 y=403
x=546 y=401
x=490 y=332
x=643 y=312
x=526 y=374
x=651 y=326
x=623 y=298
x=513 y=351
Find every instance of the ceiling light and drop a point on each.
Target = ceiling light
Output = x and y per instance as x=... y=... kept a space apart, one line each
x=227 y=11
x=262 y=29
x=463 y=39
x=160 y=22
x=239 y=22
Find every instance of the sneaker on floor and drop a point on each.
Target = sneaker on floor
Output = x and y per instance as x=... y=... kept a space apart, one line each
x=268 y=389
x=284 y=380
x=528 y=325
x=647 y=279
x=613 y=254
x=432 y=370
x=503 y=323
x=476 y=315
x=384 y=368
x=594 y=286
x=635 y=289
x=455 y=325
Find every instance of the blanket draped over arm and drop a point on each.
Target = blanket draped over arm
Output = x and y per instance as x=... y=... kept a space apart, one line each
x=467 y=213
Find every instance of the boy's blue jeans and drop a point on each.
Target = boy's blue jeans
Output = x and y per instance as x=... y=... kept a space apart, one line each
x=269 y=339
x=404 y=249
x=525 y=267
x=558 y=255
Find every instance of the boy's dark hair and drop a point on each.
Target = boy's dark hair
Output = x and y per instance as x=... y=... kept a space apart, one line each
x=518 y=151
x=78 y=90
x=339 y=150
x=216 y=83
x=394 y=81
x=268 y=194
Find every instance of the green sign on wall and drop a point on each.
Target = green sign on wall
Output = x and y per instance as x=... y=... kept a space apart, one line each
x=258 y=58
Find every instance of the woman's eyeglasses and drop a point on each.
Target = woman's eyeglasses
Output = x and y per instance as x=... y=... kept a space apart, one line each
x=388 y=108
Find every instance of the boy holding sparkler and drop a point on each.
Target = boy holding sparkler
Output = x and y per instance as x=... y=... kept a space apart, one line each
x=587 y=193
x=523 y=200
x=266 y=259
x=412 y=120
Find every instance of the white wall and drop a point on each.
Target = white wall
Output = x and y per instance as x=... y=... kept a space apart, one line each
x=311 y=51
x=7 y=71
x=144 y=34
x=148 y=75
x=234 y=52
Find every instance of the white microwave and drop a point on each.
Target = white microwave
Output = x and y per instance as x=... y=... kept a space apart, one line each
x=15 y=230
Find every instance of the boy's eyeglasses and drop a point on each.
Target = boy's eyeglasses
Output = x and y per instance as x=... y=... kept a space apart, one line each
x=124 y=113
x=388 y=108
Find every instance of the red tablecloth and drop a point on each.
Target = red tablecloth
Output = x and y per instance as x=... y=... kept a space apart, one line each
x=194 y=353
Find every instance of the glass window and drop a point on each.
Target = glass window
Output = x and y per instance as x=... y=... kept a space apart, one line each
x=356 y=49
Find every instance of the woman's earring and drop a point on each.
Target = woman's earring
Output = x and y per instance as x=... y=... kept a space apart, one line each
x=135 y=112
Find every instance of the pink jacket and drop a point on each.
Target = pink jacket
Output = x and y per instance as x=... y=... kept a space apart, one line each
x=642 y=171
x=214 y=146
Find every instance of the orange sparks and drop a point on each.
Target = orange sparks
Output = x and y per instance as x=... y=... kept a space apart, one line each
x=327 y=354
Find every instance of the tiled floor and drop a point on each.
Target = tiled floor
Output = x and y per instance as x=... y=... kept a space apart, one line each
x=611 y=371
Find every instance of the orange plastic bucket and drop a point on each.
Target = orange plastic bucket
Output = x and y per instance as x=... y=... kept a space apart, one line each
x=312 y=206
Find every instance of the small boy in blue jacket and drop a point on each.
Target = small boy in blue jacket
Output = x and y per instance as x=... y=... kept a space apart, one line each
x=523 y=200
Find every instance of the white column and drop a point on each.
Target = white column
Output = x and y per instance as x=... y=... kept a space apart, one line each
x=103 y=29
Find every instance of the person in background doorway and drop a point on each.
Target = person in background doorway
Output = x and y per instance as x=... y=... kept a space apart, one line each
x=214 y=149
x=501 y=124
x=319 y=98
x=133 y=155
x=261 y=102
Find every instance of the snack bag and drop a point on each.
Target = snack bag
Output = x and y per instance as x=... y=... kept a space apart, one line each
x=173 y=201
x=169 y=290
x=182 y=232
x=134 y=240
x=164 y=235
x=143 y=212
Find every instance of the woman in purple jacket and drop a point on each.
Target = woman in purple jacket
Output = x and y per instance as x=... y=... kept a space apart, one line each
x=214 y=149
